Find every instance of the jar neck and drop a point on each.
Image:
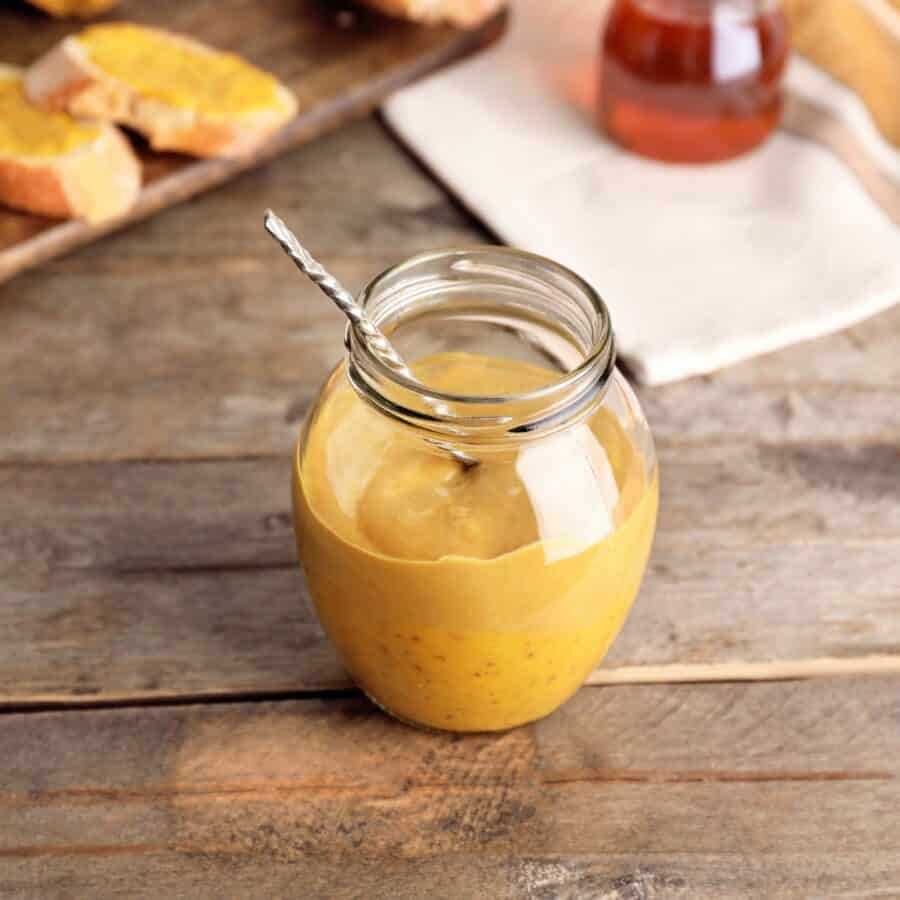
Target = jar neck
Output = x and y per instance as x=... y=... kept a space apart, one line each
x=528 y=299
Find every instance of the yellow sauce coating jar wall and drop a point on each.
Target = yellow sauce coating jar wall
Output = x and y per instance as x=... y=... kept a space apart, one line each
x=476 y=598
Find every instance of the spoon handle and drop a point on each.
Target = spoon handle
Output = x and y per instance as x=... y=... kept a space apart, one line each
x=369 y=333
x=330 y=286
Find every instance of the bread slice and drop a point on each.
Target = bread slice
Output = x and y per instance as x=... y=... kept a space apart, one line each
x=81 y=8
x=465 y=13
x=54 y=166
x=858 y=42
x=179 y=93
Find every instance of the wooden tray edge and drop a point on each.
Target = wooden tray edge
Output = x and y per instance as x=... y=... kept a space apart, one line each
x=205 y=174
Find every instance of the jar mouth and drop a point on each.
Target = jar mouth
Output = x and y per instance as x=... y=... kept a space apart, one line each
x=526 y=285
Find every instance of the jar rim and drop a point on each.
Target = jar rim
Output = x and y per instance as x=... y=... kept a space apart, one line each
x=599 y=358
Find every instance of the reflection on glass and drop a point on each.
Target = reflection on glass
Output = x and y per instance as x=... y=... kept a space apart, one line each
x=479 y=598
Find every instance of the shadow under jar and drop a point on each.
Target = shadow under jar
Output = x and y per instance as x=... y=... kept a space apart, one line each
x=692 y=80
x=476 y=598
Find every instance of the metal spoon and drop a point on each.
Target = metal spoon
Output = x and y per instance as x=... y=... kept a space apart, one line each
x=368 y=332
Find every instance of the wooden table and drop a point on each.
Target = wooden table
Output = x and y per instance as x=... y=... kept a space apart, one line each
x=173 y=723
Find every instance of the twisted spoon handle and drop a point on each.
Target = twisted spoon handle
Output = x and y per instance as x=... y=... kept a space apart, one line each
x=369 y=333
x=330 y=286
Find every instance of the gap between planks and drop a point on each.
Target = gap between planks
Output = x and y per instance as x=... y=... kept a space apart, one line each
x=94 y=796
x=686 y=673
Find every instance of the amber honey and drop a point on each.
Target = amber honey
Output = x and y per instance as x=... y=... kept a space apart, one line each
x=692 y=80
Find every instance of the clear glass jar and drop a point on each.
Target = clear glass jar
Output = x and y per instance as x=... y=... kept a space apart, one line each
x=476 y=598
x=692 y=80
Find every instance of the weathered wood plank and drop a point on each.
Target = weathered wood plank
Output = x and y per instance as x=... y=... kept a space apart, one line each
x=500 y=876
x=127 y=581
x=824 y=413
x=127 y=516
x=777 y=790
x=188 y=339
x=190 y=336
x=842 y=389
x=87 y=636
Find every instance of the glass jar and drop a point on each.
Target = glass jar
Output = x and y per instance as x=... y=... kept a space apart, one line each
x=692 y=80
x=476 y=598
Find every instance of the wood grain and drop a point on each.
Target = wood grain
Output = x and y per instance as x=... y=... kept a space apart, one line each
x=340 y=63
x=133 y=581
x=155 y=385
x=152 y=388
x=190 y=336
x=783 y=790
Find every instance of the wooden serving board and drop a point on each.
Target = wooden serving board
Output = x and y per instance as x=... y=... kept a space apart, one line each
x=340 y=61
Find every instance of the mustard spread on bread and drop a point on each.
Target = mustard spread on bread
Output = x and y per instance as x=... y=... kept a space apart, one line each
x=53 y=165
x=181 y=94
x=178 y=74
x=82 y=8
x=26 y=130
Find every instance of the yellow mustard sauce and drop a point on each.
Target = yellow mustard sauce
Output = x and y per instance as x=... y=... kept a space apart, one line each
x=156 y=66
x=447 y=601
x=27 y=131
x=75 y=7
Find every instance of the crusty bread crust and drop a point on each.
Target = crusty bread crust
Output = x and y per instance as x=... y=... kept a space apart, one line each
x=33 y=188
x=66 y=78
x=81 y=8
x=96 y=181
x=465 y=13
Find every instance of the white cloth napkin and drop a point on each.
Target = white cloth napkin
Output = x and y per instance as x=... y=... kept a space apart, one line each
x=700 y=266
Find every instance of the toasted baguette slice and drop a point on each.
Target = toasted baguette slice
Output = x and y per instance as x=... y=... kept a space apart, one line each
x=181 y=94
x=54 y=166
x=858 y=43
x=82 y=8
x=465 y=13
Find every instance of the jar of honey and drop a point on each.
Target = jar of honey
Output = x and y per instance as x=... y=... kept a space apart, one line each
x=692 y=80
